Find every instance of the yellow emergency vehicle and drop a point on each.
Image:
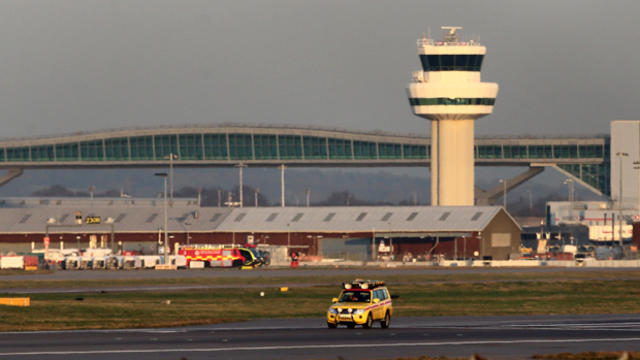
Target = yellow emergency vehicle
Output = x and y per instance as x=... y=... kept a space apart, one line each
x=361 y=302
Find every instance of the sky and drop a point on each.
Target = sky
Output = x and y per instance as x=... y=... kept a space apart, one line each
x=564 y=67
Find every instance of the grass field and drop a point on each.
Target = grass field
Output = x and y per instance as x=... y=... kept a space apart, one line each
x=419 y=295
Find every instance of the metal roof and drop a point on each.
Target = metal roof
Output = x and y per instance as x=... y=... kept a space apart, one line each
x=361 y=219
x=383 y=219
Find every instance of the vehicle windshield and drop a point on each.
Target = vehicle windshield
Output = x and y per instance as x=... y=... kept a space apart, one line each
x=355 y=296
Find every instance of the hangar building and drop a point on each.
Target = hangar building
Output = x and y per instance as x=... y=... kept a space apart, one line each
x=354 y=232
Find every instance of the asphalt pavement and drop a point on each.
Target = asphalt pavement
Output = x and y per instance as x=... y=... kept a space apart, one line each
x=496 y=337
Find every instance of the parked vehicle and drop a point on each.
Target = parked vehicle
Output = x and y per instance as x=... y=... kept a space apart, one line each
x=214 y=256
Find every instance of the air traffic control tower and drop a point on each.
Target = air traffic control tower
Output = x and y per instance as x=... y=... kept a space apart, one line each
x=448 y=91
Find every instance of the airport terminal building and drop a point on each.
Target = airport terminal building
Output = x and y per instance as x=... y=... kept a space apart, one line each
x=355 y=232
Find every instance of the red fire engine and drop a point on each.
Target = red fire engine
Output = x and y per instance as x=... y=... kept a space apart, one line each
x=213 y=256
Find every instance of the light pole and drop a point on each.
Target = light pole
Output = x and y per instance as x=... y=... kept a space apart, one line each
x=240 y=166
x=620 y=155
x=171 y=157
x=288 y=238
x=164 y=205
x=504 y=193
x=569 y=183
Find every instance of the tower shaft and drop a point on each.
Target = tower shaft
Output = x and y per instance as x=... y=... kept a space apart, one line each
x=454 y=162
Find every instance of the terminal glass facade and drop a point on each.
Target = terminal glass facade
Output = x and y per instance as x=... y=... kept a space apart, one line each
x=116 y=149
x=41 y=153
x=215 y=146
x=240 y=147
x=290 y=146
x=340 y=149
x=265 y=147
x=191 y=147
x=315 y=147
x=365 y=150
x=91 y=150
x=141 y=148
x=586 y=160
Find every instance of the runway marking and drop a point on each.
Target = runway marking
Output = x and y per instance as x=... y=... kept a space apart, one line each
x=541 y=326
x=314 y=346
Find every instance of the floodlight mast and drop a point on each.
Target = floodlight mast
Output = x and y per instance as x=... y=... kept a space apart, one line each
x=164 y=205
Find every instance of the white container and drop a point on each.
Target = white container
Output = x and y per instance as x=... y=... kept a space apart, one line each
x=12 y=262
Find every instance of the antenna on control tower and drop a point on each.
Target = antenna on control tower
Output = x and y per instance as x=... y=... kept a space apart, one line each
x=451 y=36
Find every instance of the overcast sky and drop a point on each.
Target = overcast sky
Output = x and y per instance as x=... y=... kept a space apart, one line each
x=564 y=67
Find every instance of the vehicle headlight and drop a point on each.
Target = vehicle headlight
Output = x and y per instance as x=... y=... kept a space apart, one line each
x=333 y=311
x=359 y=312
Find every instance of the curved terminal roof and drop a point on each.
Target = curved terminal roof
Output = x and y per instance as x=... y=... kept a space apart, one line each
x=585 y=158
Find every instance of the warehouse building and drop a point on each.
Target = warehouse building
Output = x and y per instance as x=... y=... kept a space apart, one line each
x=356 y=232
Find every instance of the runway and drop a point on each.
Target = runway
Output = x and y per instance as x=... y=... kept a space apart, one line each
x=503 y=337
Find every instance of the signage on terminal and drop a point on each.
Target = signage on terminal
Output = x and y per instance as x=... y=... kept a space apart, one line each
x=92 y=220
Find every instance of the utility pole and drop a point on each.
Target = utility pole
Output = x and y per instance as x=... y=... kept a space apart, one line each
x=504 y=193
x=255 y=196
x=637 y=167
x=172 y=157
x=569 y=183
x=240 y=166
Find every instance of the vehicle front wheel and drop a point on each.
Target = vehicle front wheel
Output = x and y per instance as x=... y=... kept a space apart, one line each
x=331 y=325
x=369 y=322
x=386 y=321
